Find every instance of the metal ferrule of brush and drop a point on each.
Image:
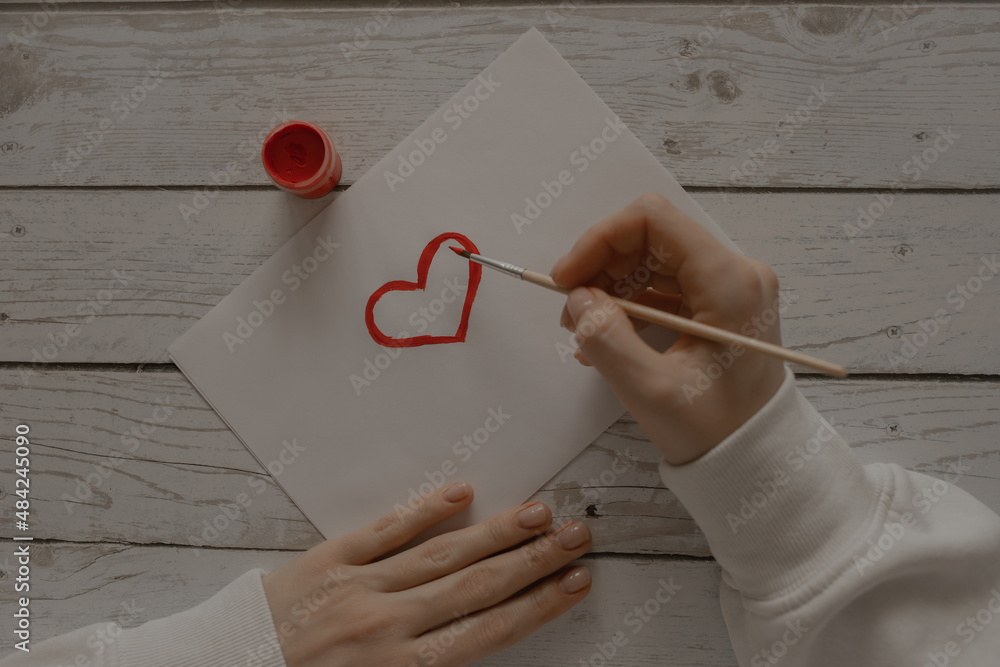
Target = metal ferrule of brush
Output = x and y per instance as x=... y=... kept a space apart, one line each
x=502 y=267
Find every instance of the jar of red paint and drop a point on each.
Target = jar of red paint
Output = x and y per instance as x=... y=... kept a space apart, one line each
x=299 y=158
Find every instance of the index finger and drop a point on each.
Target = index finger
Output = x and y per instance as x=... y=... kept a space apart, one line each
x=401 y=525
x=648 y=223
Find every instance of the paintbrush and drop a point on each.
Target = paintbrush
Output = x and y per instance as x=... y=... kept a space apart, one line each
x=664 y=319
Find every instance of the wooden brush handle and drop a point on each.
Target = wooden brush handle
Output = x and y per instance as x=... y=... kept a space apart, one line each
x=684 y=325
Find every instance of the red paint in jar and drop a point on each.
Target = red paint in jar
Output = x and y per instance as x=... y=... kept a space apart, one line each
x=300 y=158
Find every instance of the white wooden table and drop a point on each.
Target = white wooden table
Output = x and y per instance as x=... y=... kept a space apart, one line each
x=117 y=121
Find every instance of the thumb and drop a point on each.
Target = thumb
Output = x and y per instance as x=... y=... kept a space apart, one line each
x=609 y=341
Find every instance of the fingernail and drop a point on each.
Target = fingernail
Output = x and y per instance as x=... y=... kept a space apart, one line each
x=573 y=536
x=555 y=267
x=532 y=516
x=456 y=492
x=566 y=321
x=579 y=301
x=575 y=580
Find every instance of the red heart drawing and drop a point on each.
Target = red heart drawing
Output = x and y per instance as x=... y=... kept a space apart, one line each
x=475 y=274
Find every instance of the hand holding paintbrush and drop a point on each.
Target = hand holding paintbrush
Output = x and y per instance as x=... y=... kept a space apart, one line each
x=665 y=319
x=693 y=395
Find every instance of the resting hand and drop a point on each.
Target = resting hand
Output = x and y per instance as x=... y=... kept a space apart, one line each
x=450 y=601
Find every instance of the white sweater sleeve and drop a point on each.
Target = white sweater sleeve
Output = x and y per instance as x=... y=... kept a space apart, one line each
x=232 y=628
x=826 y=561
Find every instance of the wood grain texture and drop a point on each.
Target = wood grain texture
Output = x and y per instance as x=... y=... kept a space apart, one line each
x=129 y=468
x=83 y=584
x=856 y=301
x=108 y=466
x=704 y=86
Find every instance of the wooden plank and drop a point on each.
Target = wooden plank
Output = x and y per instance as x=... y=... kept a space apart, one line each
x=74 y=585
x=858 y=301
x=704 y=86
x=185 y=470
x=230 y=5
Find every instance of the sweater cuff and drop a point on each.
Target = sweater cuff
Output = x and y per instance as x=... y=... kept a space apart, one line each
x=779 y=500
x=232 y=628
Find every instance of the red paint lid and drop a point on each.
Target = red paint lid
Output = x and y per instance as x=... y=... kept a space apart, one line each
x=300 y=158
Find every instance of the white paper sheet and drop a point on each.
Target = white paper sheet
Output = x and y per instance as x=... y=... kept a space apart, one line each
x=350 y=429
